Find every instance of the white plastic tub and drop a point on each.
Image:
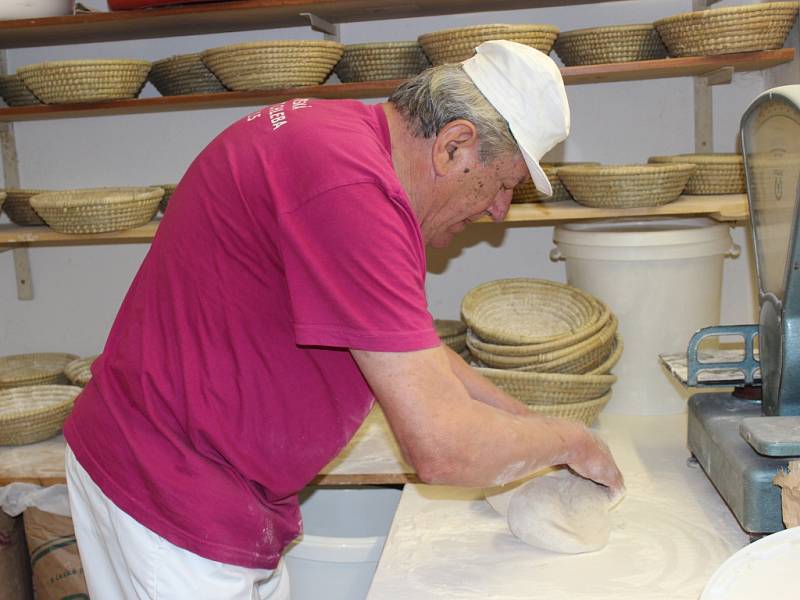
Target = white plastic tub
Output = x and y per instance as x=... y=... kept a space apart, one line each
x=663 y=279
x=344 y=533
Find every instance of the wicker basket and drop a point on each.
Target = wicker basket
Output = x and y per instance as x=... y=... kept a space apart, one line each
x=578 y=358
x=528 y=311
x=168 y=188
x=543 y=388
x=612 y=360
x=626 y=186
x=613 y=44
x=18 y=207
x=33 y=369
x=453 y=333
x=586 y=412
x=455 y=45
x=15 y=93
x=97 y=210
x=714 y=173
x=34 y=413
x=381 y=60
x=79 y=371
x=2 y=199
x=726 y=30
x=527 y=192
x=275 y=64
x=183 y=74
x=70 y=81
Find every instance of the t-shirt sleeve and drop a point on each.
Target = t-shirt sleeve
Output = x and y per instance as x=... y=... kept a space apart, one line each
x=355 y=268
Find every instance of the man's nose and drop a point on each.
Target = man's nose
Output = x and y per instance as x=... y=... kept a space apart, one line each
x=499 y=208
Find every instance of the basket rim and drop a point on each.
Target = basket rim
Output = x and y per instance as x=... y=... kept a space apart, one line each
x=504 y=26
x=83 y=62
x=727 y=158
x=30 y=389
x=573 y=406
x=643 y=27
x=724 y=10
x=177 y=58
x=599 y=378
x=626 y=169
x=63 y=357
x=272 y=44
x=94 y=196
x=379 y=45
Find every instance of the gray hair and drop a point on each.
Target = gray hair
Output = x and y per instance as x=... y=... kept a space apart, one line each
x=442 y=94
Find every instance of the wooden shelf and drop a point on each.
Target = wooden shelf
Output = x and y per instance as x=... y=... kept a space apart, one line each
x=722 y=208
x=631 y=71
x=217 y=17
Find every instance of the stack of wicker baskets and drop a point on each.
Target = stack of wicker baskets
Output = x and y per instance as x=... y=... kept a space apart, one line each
x=381 y=60
x=183 y=74
x=453 y=333
x=34 y=400
x=719 y=173
x=550 y=345
x=611 y=44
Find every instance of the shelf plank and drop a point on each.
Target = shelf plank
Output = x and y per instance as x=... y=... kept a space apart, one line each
x=630 y=71
x=722 y=208
x=731 y=207
x=243 y=15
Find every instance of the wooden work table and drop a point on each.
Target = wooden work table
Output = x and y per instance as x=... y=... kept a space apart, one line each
x=372 y=457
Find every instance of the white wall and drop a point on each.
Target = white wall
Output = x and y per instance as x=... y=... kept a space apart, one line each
x=78 y=290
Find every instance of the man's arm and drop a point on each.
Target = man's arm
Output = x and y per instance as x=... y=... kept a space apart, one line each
x=449 y=438
x=480 y=388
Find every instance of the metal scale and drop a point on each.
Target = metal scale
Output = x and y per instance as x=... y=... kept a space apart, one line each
x=742 y=439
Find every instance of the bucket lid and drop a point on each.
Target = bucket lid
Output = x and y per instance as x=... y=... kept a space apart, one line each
x=643 y=232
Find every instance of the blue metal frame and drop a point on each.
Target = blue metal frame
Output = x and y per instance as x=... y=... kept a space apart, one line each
x=748 y=365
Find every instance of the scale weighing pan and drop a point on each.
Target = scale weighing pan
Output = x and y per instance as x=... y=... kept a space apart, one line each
x=743 y=439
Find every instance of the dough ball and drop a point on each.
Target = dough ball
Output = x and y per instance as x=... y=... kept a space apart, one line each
x=499 y=497
x=562 y=512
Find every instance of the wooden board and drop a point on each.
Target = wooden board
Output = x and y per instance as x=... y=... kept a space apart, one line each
x=723 y=208
x=246 y=15
x=630 y=71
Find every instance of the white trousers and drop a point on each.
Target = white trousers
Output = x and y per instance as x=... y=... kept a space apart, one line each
x=123 y=560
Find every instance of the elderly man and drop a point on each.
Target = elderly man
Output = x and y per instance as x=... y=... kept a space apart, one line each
x=283 y=293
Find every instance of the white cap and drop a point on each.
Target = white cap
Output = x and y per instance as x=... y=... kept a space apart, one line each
x=525 y=87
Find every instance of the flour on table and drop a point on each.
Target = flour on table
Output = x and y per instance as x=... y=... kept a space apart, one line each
x=558 y=511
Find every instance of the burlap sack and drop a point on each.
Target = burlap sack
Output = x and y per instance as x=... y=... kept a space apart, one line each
x=15 y=568
x=57 y=570
x=789 y=481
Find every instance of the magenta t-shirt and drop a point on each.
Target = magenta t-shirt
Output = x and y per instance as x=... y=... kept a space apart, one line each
x=225 y=384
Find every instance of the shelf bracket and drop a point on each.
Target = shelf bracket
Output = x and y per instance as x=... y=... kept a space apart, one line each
x=8 y=148
x=721 y=76
x=331 y=30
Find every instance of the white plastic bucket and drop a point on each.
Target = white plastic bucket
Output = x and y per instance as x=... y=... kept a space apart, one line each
x=344 y=533
x=663 y=280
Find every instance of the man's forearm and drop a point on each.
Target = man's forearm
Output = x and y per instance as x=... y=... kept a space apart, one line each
x=481 y=389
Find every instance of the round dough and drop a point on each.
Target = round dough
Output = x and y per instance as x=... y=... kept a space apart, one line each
x=562 y=512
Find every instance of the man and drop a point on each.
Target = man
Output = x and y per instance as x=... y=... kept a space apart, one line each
x=285 y=290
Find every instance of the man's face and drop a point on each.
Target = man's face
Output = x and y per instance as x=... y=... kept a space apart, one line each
x=485 y=189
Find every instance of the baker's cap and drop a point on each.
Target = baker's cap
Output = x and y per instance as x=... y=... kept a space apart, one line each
x=524 y=85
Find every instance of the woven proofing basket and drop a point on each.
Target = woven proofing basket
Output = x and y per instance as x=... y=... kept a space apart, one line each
x=33 y=369
x=447 y=328
x=725 y=30
x=168 y=188
x=97 y=210
x=549 y=388
x=271 y=65
x=714 y=173
x=184 y=74
x=626 y=186
x=613 y=44
x=585 y=412
x=455 y=45
x=15 y=93
x=527 y=192
x=2 y=199
x=18 y=207
x=79 y=371
x=578 y=358
x=69 y=81
x=381 y=60
x=527 y=311
x=33 y=413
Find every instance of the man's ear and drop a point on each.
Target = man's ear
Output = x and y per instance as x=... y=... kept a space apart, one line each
x=455 y=148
